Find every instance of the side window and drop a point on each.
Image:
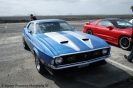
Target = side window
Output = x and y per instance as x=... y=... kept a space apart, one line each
x=65 y=26
x=105 y=23
x=31 y=27
x=123 y=23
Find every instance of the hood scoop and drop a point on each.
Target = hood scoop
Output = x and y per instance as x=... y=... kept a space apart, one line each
x=64 y=42
x=86 y=39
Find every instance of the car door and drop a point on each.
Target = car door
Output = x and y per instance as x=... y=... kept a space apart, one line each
x=105 y=33
x=29 y=35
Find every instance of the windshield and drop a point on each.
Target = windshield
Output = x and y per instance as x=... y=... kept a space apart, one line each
x=122 y=24
x=52 y=27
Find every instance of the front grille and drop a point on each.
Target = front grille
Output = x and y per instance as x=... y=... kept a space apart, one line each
x=83 y=56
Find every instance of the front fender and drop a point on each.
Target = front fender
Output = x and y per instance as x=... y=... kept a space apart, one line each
x=44 y=54
x=44 y=58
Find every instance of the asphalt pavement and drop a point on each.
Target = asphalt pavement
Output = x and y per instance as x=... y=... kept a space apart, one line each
x=17 y=65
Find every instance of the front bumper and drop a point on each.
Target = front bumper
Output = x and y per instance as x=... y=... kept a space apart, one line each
x=79 y=63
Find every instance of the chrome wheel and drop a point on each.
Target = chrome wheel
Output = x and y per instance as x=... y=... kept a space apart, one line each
x=124 y=43
x=37 y=63
x=40 y=67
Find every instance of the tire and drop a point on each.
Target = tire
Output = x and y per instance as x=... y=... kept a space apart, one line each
x=39 y=66
x=125 y=43
x=89 y=32
x=25 y=44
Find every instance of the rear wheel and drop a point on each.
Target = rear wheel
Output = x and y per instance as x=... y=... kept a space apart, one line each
x=125 y=43
x=89 y=32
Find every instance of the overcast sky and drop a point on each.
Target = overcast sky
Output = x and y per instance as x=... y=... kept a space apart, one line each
x=64 y=7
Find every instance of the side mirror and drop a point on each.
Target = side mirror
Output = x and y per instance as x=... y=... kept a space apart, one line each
x=73 y=27
x=29 y=31
x=110 y=27
x=87 y=23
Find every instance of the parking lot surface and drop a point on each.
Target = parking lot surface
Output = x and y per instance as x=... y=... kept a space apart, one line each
x=17 y=66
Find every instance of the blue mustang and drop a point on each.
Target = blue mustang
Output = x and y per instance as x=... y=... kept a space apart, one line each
x=57 y=45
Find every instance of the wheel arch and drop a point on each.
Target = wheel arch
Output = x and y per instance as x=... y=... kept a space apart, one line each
x=88 y=30
x=119 y=41
x=121 y=37
x=35 y=51
x=44 y=57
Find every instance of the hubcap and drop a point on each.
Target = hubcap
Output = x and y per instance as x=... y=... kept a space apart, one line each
x=37 y=63
x=125 y=43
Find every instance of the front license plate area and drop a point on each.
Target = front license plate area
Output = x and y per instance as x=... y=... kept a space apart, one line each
x=81 y=66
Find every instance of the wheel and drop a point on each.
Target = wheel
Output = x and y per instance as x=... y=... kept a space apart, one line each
x=125 y=43
x=40 y=67
x=25 y=44
x=89 y=32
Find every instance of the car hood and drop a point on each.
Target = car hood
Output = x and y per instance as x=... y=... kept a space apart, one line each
x=71 y=41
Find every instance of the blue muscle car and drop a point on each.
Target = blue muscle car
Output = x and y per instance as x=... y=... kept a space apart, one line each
x=57 y=45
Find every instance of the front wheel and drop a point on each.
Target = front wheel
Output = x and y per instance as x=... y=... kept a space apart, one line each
x=40 y=67
x=125 y=43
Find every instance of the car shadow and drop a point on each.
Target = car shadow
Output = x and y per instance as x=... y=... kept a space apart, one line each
x=88 y=77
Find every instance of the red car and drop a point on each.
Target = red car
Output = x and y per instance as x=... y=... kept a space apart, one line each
x=113 y=30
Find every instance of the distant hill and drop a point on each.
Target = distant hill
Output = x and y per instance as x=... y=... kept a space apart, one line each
x=8 y=19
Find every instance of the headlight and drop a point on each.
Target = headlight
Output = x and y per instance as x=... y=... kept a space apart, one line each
x=58 y=60
x=104 y=51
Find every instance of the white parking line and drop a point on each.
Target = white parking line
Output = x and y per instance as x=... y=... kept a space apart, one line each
x=9 y=40
x=121 y=65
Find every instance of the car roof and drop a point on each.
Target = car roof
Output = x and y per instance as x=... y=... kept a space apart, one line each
x=47 y=20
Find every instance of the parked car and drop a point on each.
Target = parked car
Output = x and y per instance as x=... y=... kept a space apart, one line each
x=113 y=30
x=57 y=45
x=131 y=21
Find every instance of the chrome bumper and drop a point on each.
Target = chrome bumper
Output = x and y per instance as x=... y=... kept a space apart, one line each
x=79 y=63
